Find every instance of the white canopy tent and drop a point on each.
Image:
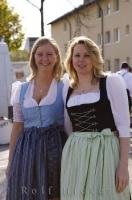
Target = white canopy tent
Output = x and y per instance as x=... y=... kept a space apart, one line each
x=5 y=79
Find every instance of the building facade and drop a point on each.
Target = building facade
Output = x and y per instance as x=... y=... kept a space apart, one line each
x=29 y=43
x=107 y=22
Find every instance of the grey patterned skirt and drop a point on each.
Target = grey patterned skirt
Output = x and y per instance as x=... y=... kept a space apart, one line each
x=35 y=168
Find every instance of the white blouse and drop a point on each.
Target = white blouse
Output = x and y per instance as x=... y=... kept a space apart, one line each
x=116 y=91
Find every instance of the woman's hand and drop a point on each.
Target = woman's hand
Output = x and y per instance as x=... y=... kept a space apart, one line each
x=122 y=177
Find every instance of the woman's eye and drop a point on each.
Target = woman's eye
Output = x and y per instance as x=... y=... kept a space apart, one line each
x=49 y=54
x=87 y=55
x=76 y=55
x=39 y=54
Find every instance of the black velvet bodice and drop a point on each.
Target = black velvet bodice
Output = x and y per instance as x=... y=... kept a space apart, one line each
x=92 y=117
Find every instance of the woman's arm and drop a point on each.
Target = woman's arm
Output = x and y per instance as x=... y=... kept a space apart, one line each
x=17 y=122
x=15 y=133
x=122 y=174
x=67 y=122
x=117 y=95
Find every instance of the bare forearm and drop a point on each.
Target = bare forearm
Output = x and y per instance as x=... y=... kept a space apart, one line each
x=16 y=131
x=122 y=175
x=124 y=149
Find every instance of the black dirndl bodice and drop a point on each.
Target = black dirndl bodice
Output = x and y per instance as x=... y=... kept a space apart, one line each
x=93 y=116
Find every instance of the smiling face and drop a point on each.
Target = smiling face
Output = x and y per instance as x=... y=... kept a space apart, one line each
x=81 y=60
x=45 y=57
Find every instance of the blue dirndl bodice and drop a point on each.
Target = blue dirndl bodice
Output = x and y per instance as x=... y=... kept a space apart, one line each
x=43 y=116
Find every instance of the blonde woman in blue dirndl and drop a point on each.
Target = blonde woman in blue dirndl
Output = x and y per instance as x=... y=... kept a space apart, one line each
x=95 y=156
x=38 y=135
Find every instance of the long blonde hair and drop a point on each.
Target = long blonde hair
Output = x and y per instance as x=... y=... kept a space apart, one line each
x=94 y=53
x=33 y=67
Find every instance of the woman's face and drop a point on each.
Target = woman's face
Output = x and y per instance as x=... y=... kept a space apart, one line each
x=45 y=57
x=81 y=60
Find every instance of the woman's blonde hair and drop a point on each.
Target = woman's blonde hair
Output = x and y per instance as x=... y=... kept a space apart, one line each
x=57 y=72
x=94 y=53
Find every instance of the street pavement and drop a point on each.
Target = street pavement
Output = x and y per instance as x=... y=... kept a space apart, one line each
x=4 y=150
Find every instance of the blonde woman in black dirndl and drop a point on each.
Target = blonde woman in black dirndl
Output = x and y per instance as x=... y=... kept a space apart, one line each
x=95 y=156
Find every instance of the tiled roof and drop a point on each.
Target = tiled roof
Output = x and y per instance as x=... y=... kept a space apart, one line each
x=72 y=11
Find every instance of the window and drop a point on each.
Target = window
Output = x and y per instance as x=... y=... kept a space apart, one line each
x=107 y=37
x=108 y=65
x=99 y=12
x=107 y=9
x=127 y=29
x=117 y=64
x=116 y=5
x=99 y=39
x=116 y=35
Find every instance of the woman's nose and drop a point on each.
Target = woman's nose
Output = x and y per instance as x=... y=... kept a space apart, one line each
x=81 y=58
x=44 y=57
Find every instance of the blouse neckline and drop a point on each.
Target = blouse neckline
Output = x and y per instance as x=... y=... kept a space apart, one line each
x=46 y=100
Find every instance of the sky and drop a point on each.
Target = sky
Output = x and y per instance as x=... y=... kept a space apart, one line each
x=30 y=16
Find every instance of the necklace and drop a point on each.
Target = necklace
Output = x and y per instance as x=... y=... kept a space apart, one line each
x=92 y=88
x=41 y=90
x=81 y=91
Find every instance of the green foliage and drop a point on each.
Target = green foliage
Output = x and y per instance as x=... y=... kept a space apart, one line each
x=19 y=55
x=10 y=26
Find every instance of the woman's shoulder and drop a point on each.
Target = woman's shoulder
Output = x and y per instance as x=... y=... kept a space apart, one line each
x=16 y=86
x=66 y=83
x=65 y=80
x=15 y=92
x=114 y=80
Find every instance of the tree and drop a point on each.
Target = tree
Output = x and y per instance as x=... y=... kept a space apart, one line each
x=19 y=55
x=10 y=26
